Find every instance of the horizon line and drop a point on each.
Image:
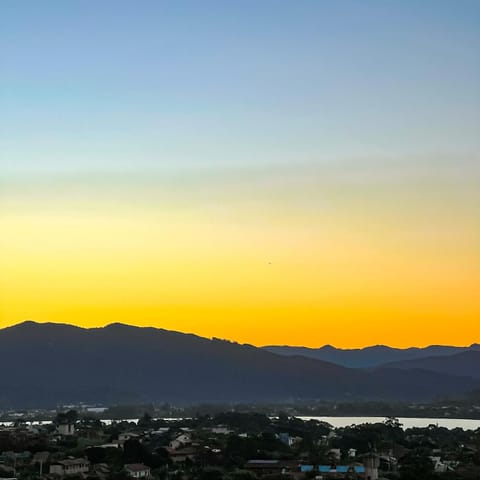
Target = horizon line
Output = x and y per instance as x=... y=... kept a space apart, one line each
x=106 y=325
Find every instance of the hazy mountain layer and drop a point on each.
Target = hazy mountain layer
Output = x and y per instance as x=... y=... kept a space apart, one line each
x=465 y=363
x=370 y=356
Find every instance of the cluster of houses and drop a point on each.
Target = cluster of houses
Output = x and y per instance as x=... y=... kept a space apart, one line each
x=183 y=447
x=295 y=470
x=44 y=452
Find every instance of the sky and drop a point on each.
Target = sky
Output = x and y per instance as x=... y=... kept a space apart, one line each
x=272 y=172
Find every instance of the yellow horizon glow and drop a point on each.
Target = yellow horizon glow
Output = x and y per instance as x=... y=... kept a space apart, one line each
x=259 y=265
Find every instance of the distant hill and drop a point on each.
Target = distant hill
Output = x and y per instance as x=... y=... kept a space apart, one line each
x=370 y=356
x=48 y=364
x=465 y=363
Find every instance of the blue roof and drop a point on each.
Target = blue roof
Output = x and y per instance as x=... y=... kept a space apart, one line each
x=359 y=469
x=338 y=469
x=306 y=468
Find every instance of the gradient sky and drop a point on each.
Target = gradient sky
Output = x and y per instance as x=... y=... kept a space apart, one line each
x=302 y=172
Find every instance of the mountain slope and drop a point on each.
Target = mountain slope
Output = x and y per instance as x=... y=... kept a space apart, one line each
x=370 y=356
x=46 y=364
x=465 y=363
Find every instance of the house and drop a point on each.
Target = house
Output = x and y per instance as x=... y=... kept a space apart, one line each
x=181 y=455
x=101 y=470
x=284 y=438
x=70 y=466
x=269 y=467
x=288 y=440
x=66 y=429
x=335 y=471
x=180 y=441
x=335 y=453
x=123 y=437
x=440 y=466
x=137 y=470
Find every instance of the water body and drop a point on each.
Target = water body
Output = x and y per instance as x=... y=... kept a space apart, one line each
x=449 y=423
x=337 y=422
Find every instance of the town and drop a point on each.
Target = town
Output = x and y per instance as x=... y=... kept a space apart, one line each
x=232 y=445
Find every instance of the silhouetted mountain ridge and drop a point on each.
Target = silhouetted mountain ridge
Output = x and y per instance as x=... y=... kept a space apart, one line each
x=369 y=357
x=47 y=364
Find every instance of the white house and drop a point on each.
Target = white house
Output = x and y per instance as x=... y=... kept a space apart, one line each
x=70 y=466
x=335 y=453
x=137 y=470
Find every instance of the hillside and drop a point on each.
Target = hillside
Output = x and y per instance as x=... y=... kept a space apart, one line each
x=369 y=357
x=47 y=364
x=465 y=363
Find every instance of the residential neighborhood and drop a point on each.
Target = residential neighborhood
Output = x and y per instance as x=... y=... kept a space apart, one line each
x=232 y=446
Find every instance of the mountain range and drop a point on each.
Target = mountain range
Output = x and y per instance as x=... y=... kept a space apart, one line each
x=369 y=357
x=48 y=364
x=465 y=363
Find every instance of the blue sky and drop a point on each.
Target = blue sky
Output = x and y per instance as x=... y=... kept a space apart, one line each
x=118 y=85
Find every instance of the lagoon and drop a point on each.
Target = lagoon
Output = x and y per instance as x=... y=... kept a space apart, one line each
x=450 y=423
x=337 y=422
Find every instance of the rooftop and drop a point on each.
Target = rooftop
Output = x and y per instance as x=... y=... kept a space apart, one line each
x=136 y=467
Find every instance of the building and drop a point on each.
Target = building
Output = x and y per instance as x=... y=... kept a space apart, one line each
x=288 y=440
x=181 y=455
x=269 y=467
x=125 y=436
x=137 y=470
x=371 y=462
x=335 y=454
x=70 y=466
x=335 y=471
x=66 y=429
x=181 y=441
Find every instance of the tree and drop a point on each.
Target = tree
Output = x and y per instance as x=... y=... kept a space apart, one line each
x=241 y=475
x=392 y=422
x=211 y=474
x=146 y=421
x=415 y=465
x=95 y=454
x=135 y=452
x=69 y=417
